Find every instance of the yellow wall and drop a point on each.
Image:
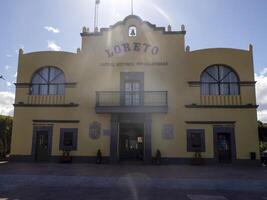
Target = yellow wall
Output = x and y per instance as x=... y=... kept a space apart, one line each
x=84 y=68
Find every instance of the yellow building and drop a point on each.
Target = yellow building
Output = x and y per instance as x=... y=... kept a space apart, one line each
x=133 y=89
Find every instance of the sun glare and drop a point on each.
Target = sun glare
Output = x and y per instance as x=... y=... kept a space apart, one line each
x=122 y=8
x=120 y=5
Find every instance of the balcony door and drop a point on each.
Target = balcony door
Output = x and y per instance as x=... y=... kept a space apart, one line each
x=132 y=93
x=132 y=88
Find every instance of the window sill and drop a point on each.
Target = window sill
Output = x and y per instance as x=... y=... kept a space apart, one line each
x=45 y=105
x=222 y=106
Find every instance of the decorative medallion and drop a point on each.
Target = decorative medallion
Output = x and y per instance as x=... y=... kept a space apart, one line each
x=95 y=130
x=167 y=131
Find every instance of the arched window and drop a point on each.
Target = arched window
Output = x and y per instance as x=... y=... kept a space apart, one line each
x=219 y=80
x=48 y=81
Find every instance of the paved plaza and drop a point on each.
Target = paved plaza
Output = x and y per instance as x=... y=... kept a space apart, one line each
x=88 y=181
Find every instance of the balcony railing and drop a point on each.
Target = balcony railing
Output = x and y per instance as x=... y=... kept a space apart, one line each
x=221 y=100
x=46 y=99
x=145 y=101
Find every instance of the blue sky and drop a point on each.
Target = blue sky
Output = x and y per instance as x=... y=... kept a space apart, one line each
x=36 y=25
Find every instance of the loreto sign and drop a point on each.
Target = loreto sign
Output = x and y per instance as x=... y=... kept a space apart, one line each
x=132 y=47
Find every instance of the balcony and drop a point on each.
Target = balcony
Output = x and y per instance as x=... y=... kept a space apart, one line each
x=225 y=100
x=132 y=102
x=44 y=101
x=221 y=101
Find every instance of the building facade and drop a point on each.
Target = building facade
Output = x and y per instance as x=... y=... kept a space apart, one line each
x=133 y=89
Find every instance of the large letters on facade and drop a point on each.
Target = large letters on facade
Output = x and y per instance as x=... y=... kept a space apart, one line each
x=135 y=47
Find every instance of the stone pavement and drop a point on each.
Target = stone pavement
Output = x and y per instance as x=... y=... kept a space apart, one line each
x=87 y=181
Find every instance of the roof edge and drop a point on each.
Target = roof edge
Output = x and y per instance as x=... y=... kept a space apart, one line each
x=124 y=21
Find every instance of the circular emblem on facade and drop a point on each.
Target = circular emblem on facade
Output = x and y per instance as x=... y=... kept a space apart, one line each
x=95 y=130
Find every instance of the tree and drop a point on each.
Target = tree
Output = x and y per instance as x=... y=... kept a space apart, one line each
x=262 y=131
x=5 y=135
x=260 y=124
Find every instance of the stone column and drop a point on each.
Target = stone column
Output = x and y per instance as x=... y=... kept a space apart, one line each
x=147 y=139
x=114 y=139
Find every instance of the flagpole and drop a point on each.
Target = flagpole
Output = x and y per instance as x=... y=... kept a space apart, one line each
x=97 y=2
x=132 y=6
x=95 y=16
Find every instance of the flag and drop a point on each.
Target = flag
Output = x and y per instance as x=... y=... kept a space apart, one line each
x=97 y=2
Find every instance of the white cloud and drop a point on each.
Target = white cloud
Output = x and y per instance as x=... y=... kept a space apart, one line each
x=7 y=67
x=53 y=46
x=8 y=84
x=262 y=115
x=15 y=75
x=8 y=55
x=261 y=94
x=6 y=103
x=261 y=88
x=263 y=72
x=52 y=29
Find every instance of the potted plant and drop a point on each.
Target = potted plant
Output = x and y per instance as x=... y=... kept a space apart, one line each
x=66 y=157
x=98 y=157
x=197 y=159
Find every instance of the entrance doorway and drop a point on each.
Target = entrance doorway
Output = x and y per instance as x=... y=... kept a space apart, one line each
x=224 y=145
x=135 y=127
x=42 y=143
x=42 y=153
x=131 y=141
